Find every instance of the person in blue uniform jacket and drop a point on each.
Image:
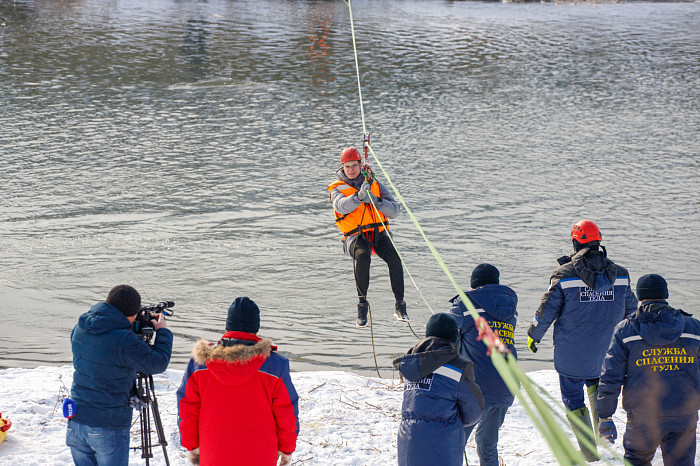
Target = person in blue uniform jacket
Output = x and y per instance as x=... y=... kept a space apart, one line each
x=653 y=358
x=497 y=304
x=440 y=397
x=588 y=295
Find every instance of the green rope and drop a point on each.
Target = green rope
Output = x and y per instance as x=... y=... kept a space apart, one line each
x=506 y=366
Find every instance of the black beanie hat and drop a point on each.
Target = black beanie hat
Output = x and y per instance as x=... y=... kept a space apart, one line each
x=126 y=299
x=442 y=325
x=652 y=286
x=484 y=274
x=243 y=316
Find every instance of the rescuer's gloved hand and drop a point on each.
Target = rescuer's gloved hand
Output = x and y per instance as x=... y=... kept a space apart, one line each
x=365 y=194
x=607 y=429
x=531 y=344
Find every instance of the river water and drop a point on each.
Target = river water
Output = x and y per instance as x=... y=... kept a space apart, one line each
x=185 y=147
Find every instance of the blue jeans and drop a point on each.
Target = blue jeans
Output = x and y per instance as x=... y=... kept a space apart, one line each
x=572 y=393
x=92 y=446
x=487 y=434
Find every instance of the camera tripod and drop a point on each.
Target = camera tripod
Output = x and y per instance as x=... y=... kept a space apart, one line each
x=147 y=394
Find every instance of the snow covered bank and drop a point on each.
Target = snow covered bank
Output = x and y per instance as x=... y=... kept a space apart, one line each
x=346 y=419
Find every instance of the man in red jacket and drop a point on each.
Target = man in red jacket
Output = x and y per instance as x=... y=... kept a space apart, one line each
x=237 y=403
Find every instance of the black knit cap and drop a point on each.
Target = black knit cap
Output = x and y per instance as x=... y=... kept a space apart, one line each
x=243 y=316
x=442 y=325
x=652 y=286
x=126 y=299
x=484 y=274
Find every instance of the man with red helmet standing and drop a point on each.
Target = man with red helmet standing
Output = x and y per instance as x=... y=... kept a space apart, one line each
x=363 y=208
x=588 y=295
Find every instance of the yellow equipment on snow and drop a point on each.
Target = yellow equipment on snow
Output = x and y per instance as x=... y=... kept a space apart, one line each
x=4 y=427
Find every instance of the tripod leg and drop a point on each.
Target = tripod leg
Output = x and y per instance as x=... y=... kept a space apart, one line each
x=159 y=425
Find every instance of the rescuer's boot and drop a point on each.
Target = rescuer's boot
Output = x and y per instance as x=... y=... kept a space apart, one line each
x=362 y=309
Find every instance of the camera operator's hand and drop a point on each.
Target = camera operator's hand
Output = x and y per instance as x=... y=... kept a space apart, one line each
x=160 y=323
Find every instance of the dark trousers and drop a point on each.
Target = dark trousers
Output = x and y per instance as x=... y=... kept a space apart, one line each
x=572 y=393
x=675 y=434
x=362 y=256
x=487 y=433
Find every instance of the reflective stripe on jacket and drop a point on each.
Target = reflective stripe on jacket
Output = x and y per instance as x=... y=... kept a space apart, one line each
x=653 y=358
x=586 y=299
x=440 y=398
x=364 y=218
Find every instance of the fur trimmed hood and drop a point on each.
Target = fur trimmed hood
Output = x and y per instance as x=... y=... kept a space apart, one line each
x=232 y=360
x=232 y=353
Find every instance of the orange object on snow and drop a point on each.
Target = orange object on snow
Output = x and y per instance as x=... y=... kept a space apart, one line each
x=4 y=427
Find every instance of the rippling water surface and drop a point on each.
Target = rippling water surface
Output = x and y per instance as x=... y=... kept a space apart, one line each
x=185 y=148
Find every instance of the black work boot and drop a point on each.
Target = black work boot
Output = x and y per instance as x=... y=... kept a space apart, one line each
x=362 y=309
x=400 y=311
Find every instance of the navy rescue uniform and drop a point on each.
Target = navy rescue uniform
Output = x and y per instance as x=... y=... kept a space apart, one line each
x=440 y=398
x=653 y=358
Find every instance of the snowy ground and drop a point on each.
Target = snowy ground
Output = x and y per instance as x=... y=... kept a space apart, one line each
x=346 y=419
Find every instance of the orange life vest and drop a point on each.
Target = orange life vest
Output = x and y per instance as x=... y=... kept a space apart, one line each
x=364 y=218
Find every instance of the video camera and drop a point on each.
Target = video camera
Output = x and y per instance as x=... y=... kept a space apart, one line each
x=143 y=326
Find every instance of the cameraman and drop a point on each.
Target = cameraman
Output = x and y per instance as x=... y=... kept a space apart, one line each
x=106 y=356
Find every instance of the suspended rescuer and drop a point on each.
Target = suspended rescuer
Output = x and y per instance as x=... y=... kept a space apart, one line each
x=106 y=356
x=497 y=304
x=237 y=404
x=653 y=358
x=440 y=397
x=363 y=207
x=588 y=295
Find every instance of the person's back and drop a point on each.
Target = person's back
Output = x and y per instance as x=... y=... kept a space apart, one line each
x=588 y=295
x=238 y=417
x=440 y=398
x=106 y=356
x=586 y=299
x=237 y=403
x=497 y=305
x=663 y=376
x=653 y=357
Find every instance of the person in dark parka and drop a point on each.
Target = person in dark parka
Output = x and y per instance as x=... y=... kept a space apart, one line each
x=497 y=304
x=106 y=356
x=653 y=358
x=440 y=397
x=588 y=295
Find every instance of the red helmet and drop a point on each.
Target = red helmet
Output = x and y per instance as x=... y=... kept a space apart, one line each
x=586 y=231
x=349 y=154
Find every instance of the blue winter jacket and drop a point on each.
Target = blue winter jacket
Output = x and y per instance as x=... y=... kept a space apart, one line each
x=587 y=297
x=497 y=304
x=106 y=355
x=654 y=357
x=440 y=398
